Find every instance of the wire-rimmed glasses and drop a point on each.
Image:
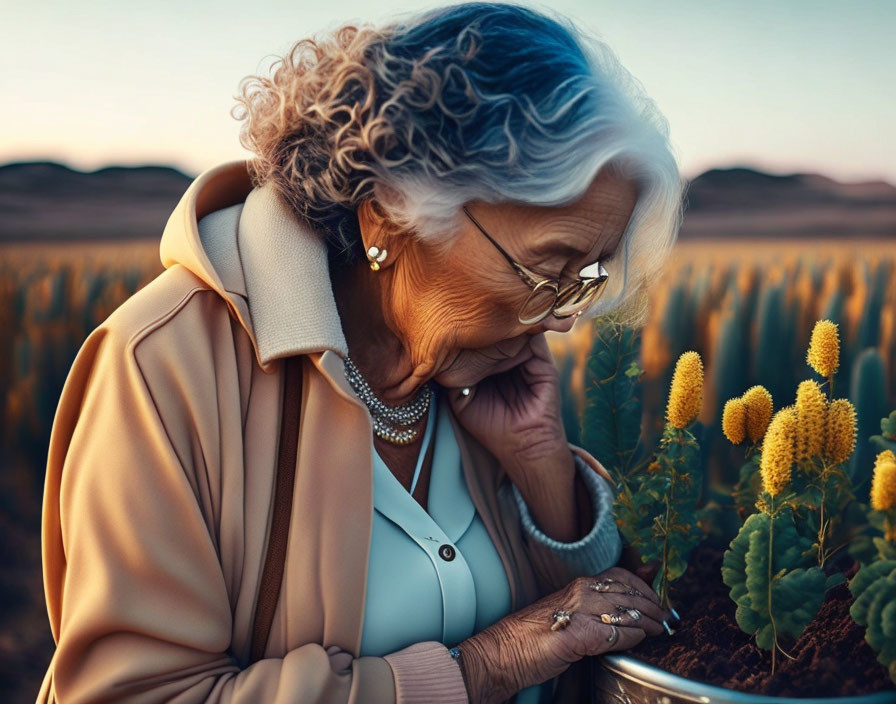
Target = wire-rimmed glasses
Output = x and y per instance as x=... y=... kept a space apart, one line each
x=547 y=296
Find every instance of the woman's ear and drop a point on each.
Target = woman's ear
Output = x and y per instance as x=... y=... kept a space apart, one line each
x=377 y=230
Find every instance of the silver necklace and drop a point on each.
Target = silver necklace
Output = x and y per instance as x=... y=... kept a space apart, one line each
x=386 y=418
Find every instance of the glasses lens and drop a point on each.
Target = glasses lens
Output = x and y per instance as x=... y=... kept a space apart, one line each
x=577 y=298
x=539 y=303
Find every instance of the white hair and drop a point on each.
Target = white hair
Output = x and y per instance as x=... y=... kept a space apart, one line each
x=484 y=101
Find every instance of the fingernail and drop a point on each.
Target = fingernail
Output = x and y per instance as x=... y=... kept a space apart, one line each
x=675 y=614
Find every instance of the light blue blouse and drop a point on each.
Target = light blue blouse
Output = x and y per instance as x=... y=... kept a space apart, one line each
x=435 y=574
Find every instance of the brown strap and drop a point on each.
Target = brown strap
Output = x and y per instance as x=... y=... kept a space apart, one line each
x=272 y=575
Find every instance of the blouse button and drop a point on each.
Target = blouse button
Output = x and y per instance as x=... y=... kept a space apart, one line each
x=446 y=552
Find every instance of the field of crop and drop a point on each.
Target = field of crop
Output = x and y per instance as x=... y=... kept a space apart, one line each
x=747 y=307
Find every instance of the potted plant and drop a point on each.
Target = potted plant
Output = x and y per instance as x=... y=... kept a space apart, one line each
x=801 y=603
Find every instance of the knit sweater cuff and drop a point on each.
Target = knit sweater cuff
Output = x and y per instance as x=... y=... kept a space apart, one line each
x=597 y=551
x=426 y=672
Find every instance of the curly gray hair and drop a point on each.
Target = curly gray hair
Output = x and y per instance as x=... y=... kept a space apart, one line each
x=478 y=101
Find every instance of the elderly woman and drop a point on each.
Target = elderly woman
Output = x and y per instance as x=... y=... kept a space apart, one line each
x=320 y=457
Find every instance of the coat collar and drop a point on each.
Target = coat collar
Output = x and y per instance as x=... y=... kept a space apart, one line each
x=271 y=268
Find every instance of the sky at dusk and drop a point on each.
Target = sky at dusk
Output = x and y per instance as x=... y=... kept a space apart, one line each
x=784 y=86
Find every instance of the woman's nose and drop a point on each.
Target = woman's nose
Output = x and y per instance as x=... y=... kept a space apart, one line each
x=559 y=324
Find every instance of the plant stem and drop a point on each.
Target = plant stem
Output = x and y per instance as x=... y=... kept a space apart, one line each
x=664 y=580
x=822 y=529
x=771 y=535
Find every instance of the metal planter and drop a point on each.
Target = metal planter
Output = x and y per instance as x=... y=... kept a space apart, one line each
x=622 y=679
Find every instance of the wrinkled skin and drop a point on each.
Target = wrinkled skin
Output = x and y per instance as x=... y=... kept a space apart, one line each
x=520 y=650
x=452 y=317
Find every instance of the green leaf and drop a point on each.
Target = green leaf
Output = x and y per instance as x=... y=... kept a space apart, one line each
x=865 y=585
x=885 y=595
x=765 y=638
x=868 y=574
x=888 y=427
x=779 y=597
x=734 y=561
x=634 y=370
x=834 y=579
x=796 y=599
x=611 y=422
x=885 y=549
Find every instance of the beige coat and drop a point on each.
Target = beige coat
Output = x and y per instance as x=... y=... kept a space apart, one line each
x=160 y=483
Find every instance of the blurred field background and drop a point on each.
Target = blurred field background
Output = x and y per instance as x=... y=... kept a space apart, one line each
x=746 y=306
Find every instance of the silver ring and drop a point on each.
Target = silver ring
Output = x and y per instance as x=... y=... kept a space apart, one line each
x=634 y=613
x=561 y=619
x=604 y=586
x=614 y=634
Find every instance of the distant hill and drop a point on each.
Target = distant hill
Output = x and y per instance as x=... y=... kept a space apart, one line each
x=49 y=201
x=44 y=200
x=741 y=202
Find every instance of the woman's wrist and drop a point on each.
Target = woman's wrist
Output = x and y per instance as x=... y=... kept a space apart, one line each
x=486 y=680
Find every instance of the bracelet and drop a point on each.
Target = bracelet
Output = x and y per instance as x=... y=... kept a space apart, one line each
x=455 y=652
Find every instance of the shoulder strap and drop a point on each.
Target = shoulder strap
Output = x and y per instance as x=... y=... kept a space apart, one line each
x=272 y=575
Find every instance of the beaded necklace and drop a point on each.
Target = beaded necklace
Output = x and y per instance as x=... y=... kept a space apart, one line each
x=386 y=418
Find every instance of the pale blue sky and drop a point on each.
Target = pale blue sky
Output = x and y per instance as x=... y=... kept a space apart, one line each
x=783 y=85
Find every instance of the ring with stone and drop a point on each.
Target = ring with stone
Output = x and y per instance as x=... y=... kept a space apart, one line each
x=611 y=618
x=561 y=619
x=634 y=613
x=602 y=586
x=465 y=391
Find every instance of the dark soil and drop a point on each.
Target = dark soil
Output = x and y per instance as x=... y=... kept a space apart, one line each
x=832 y=657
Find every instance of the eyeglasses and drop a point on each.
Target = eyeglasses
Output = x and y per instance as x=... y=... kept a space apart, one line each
x=547 y=296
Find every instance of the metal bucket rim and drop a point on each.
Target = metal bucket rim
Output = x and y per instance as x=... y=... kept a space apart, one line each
x=652 y=676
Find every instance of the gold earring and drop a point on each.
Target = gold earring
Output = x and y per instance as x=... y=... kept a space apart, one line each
x=375 y=255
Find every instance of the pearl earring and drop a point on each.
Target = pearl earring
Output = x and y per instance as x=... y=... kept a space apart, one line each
x=376 y=255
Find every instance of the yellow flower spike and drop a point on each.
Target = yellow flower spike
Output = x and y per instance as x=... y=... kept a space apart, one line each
x=758 y=402
x=686 y=392
x=883 y=485
x=840 y=430
x=734 y=420
x=778 y=451
x=824 y=348
x=811 y=408
x=885 y=456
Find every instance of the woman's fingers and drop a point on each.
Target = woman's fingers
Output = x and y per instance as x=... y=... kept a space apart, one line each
x=630 y=579
x=643 y=603
x=597 y=637
x=631 y=611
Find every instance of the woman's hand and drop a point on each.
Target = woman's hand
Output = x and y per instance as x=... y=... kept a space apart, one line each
x=521 y=650
x=515 y=414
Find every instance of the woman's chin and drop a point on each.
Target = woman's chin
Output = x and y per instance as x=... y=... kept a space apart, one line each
x=475 y=371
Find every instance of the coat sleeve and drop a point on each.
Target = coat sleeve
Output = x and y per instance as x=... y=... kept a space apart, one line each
x=557 y=563
x=138 y=604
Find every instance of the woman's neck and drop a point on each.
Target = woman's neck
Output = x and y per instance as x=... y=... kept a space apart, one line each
x=376 y=349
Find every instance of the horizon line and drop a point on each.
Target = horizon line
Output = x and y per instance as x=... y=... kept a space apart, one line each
x=190 y=175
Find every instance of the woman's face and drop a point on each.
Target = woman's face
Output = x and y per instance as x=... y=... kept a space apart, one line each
x=457 y=312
